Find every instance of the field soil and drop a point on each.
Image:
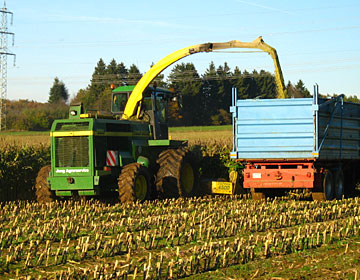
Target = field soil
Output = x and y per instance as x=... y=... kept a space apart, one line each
x=335 y=261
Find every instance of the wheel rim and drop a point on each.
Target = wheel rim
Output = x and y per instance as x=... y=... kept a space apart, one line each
x=187 y=178
x=140 y=187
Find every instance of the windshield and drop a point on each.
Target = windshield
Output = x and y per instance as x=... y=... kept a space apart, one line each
x=119 y=102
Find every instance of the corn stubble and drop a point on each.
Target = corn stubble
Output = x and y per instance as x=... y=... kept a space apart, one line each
x=164 y=239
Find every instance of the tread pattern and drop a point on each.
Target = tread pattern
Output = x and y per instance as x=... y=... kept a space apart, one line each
x=42 y=188
x=328 y=193
x=168 y=183
x=339 y=184
x=126 y=181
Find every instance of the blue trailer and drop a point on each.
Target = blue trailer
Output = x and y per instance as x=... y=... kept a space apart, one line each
x=294 y=143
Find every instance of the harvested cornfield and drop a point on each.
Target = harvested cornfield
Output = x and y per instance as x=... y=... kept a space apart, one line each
x=168 y=239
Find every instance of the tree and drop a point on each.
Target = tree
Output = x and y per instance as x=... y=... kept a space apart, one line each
x=97 y=96
x=297 y=91
x=58 y=92
x=223 y=117
x=96 y=85
x=185 y=80
x=209 y=90
x=115 y=73
x=32 y=115
x=225 y=84
x=111 y=69
x=122 y=74
x=300 y=87
x=265 y=84
x=352 y=98
x=134 y=75
x=245 y=85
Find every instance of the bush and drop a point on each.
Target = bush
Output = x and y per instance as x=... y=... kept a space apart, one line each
x=214 y=159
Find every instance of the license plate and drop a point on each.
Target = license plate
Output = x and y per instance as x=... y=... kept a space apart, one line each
x=221 y=187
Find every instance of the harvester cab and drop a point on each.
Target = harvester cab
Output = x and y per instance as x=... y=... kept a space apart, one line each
x=153 y=108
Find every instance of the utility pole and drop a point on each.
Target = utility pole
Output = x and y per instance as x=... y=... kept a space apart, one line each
x=4 y=52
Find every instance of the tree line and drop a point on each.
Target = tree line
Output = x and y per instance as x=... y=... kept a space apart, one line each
x=32 y=115
x=205 y=98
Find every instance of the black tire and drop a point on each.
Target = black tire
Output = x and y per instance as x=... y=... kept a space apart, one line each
x=42 y=189
x=339 y=184
x=328 y=184
x=134 y=183
x=178 y=175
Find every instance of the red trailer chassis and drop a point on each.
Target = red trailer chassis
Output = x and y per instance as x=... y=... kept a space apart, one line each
x=282 y=174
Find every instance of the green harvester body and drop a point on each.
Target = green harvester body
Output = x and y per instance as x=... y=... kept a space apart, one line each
x=89 y=149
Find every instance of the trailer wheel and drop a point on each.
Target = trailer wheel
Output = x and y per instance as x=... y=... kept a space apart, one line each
x=42 y=189
x=177 y=175
x=328 y=185
x=134 y=183
x=339 y=184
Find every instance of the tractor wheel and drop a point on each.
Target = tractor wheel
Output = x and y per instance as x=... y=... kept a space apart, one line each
x=134 y=183
x=42 y=189
x=177 y=175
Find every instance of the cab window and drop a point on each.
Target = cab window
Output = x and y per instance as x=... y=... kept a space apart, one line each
x=119 y=102
x=161 y=107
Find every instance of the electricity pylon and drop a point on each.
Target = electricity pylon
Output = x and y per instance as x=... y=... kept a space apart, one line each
x=4 y=52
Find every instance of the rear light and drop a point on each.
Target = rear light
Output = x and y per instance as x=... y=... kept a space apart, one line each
x=247 y=175
x=308 y=174
x=107 y=168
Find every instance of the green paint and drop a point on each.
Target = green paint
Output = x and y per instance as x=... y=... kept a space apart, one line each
x=167 y=142
x=87 y=193
x=63 y=193
x=59 y=183
x=75 y=111
x=143 y=160
x=130 y=89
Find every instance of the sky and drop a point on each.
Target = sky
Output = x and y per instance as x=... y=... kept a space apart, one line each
x=317 y=41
